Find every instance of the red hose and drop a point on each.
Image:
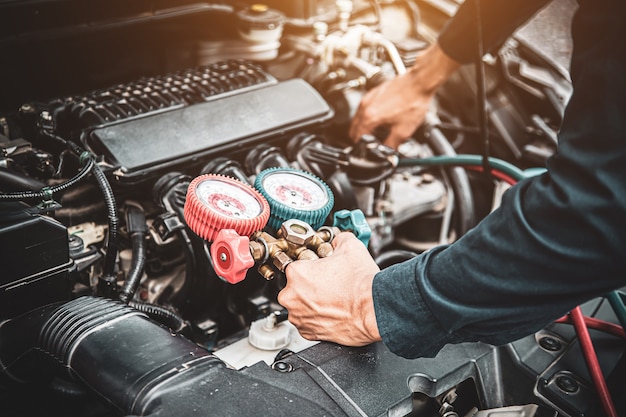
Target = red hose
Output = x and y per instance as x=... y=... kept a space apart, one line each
x=591 y=358
x=495 y=173
x=580 y=323
x=597 y=324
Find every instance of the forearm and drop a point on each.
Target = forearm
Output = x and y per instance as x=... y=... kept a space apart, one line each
x=499 y=18
x=401 y=103
x=551 y=246
x=431 y=69
x=556 y=241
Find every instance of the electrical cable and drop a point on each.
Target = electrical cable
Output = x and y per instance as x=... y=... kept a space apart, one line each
x=481 y=90
x=163 y=315
x=591 y=359
x=113 y=221
x=446 y=220
x=87 y=163
x=136 y=268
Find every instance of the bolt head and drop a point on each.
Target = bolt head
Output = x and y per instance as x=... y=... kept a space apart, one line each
x=550 y=343
x=282 y=367
x=567 y=384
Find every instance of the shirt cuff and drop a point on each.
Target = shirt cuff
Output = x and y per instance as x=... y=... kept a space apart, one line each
x=406 y=324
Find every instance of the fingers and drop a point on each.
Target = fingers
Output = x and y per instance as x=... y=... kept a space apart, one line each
x=285 y=298
x=343 y=238
x=331 y=298
x=293 y=299
x=367 y=120
x=396 y=137
x=368 y=115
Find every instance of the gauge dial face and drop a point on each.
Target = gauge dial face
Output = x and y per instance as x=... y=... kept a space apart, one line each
x=296 y=190
x=228 y=199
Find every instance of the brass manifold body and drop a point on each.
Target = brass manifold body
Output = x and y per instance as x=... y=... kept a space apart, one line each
x=295 y=240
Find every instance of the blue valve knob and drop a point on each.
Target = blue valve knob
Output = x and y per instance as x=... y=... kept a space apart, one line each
x=353 y=221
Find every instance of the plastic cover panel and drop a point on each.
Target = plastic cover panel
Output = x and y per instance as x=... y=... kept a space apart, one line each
x=140 y=145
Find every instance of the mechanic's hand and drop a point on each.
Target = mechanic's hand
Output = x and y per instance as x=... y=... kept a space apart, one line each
x=331 y=298
x=400 y=104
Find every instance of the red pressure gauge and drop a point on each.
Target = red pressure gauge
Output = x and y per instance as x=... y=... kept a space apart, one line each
x=215 y=202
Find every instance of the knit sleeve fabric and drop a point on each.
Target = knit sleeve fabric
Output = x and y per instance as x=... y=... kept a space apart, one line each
x=556 y=241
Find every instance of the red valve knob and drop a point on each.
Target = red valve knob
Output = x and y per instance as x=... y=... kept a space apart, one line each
x=231 y=256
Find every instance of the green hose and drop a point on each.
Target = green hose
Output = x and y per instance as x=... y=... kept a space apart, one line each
x=616 y=299
x=473 y=160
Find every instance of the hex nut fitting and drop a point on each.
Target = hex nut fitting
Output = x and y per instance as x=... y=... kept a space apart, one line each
x=257 y=250
x=281 y=260
x=296 y=232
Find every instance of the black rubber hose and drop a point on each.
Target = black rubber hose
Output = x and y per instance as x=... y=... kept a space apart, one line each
x=191 y=269
x=169 y=193
x=140 y=368
x=392 y=257
x=75 y=215
x=68 y=389
x=160 y=314
x=13 y=181
x=109 y=199
x=109 y=359
x=458 y=178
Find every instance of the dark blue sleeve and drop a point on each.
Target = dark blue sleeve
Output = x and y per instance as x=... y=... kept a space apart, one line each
x=499 y=18
x=556 y=241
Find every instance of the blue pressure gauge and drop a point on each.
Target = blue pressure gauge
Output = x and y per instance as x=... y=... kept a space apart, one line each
x=294 y=194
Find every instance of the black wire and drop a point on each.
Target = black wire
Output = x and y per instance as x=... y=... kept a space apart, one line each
x=136 y=268
x=109 y=199
x=46 y=193
x=163 y=315
x=481 y=92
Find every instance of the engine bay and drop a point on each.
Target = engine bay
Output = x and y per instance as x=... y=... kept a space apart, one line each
x=164 y=161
